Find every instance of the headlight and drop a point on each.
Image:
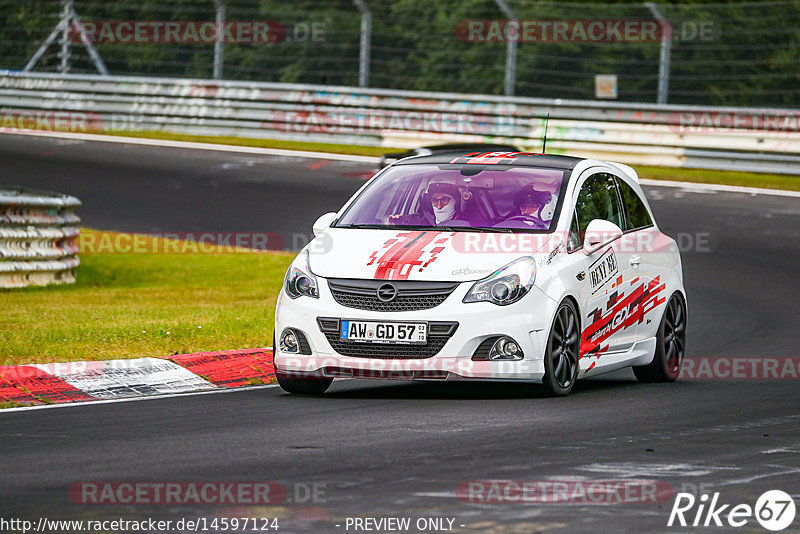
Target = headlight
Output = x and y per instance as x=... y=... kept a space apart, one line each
x=299 y=280
x=506 y=285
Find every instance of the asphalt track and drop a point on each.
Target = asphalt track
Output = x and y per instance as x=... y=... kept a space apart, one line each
x=401 y=449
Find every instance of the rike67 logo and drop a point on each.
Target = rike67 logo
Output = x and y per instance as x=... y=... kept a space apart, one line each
x=774 y=511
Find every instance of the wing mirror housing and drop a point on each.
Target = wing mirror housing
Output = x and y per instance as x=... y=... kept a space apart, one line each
x=324 y=221
x=599 y=233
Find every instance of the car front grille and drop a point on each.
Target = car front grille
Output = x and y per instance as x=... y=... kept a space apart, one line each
x=438 y=334
x=410 y=295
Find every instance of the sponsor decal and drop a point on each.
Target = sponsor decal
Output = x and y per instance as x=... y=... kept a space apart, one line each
x=603 y=270
x=466 y=271
x=549 y=259
x=407 y=251
x=621 y=312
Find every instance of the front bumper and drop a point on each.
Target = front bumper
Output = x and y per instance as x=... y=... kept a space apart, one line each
x=527 y=322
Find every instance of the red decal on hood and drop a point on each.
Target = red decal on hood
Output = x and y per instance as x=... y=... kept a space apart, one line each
x=406 y=251
x=621 y=312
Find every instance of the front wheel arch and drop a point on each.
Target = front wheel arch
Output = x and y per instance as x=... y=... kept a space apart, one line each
x=562 y=356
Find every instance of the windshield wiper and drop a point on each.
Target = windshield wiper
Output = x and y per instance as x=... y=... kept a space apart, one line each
x=480 y=229
x=427 y=227
x=367 y=226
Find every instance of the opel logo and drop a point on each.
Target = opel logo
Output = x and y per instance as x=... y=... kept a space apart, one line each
x=387 y=293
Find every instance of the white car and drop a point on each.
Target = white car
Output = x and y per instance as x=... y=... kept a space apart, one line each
x=496 y=266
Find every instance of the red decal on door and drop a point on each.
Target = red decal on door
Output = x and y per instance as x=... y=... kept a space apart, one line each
x=621 y=312
x=407 y=251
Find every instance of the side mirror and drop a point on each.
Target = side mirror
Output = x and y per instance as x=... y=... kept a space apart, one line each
x=324 y=221
x=600 y=233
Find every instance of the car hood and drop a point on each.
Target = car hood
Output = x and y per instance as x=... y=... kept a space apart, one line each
x=428 y=255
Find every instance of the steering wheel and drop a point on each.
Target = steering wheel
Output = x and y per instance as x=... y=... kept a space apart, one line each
x=532 y=220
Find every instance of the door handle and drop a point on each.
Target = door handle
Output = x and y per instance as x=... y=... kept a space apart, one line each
x=635 y=260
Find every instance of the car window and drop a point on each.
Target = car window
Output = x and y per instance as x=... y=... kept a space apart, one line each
x=574 y=242
x=636 y=215
x=460 y=195
x=598 y=199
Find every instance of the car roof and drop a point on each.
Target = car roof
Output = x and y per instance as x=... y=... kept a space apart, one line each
x=524 y=159
x=456 y=147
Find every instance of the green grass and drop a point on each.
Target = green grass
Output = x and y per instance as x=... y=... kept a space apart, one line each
x=137 y=305
x=746 y=179
x=710 y=176
x=12 y=404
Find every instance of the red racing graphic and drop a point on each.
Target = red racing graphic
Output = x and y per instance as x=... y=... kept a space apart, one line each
x=490 y=158
x=621 y=312
x=405 y=251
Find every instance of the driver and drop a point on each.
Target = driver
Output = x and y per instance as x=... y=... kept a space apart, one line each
x=528 y=204
x=443 y=200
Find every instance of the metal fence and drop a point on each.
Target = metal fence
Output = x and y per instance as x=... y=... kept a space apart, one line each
x=38 y=237
x=724 y=53
x=752 y=139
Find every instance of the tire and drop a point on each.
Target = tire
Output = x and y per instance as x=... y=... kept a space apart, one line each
x=562 y=352
x=670 y=345
x=299 y=385
x=316 y=385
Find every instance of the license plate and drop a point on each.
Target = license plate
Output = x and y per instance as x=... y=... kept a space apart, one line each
x=380 y=332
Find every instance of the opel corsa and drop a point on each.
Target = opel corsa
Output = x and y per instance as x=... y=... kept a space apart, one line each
x=502 y=266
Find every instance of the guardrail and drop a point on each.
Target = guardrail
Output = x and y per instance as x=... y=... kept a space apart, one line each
x=751 y=139
x=38 y=237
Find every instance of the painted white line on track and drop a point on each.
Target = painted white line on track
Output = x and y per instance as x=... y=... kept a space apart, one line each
x=689 y=186
x=132 y=399
x=202 y=146
x=719 y=188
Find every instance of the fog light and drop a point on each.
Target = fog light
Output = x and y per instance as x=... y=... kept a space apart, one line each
x=505 y=348
x=289 y=342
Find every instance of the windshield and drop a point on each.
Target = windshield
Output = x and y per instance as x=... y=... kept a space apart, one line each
x=496 y=197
